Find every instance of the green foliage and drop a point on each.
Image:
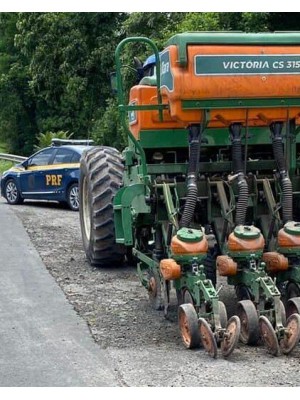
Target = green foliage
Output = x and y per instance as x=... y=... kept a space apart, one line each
x=45 y=139
x=5 y=165
x=155 y=26
x=54 y=67
x=254 y=22
x=107 y=129
x=200 y=22
x=223 y=21
x=17 y=105
x=70 y=57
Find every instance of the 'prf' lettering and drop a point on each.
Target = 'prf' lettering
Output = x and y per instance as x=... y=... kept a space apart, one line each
x=53 y=180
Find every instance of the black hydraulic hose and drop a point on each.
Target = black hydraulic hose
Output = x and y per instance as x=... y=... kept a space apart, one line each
x=237 y=165
x=287 y=199
x=158 y=249
x=278 y=154
x=237 y=157
x=242 y=203
x=190 y=205
x=286 y=184
x=193 y=167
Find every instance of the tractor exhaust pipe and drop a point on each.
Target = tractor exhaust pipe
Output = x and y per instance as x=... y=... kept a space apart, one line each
x=237 y=163
x=285 y=182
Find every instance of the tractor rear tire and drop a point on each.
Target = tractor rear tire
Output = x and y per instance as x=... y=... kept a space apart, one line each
x=101 y=172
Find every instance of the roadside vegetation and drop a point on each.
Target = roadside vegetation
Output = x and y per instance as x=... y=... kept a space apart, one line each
x=55 y=67
x=4 y=165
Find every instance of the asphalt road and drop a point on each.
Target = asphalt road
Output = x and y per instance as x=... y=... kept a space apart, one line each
x=43 y=341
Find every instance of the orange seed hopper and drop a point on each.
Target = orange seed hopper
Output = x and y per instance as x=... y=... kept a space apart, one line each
x=238 y=77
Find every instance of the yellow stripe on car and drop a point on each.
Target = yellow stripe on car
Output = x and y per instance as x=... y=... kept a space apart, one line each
x=52 y=166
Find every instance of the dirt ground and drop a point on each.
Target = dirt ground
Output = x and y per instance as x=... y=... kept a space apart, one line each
x=144 y=347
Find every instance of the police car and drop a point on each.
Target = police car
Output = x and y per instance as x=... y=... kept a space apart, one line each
x=49 y=174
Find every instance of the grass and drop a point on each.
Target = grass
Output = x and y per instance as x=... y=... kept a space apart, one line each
x=4 y=165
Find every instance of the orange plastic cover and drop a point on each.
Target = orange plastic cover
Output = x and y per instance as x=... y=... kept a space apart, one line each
x=179 y=247
x=285 y=239
x=215 y=72
x=226 y=266
x=275 y=261
x=238 y=244
x=170 y=269
x=148 y=120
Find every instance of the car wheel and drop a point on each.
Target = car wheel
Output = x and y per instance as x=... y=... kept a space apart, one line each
x=12 y=193
x=73 y=197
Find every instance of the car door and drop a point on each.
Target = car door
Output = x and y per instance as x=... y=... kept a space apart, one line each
x=64 y=165
x=32 y=180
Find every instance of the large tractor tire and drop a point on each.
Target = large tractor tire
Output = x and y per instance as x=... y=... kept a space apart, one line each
x=101 y=172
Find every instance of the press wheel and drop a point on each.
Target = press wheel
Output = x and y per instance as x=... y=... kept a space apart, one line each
x=187 y=297
x=249 y=322
x=242 y=292
x=231 y=337
x=223 y=314
x=188 y=326
x=207 y=338
x=283 y=313
x=268 y=335
x=293 y=306
x=292 y=334
x=223 y=320
x=292 y=290
x=179 y=296
x=155 y=291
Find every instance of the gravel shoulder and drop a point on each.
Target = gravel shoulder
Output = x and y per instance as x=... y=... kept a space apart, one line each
x=143 y=346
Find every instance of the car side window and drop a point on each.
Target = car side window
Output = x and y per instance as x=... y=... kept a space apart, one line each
x=41 y=158
x=76 y=158
x=63 y=156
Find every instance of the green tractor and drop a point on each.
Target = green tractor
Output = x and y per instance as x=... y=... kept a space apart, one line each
x=204 y=188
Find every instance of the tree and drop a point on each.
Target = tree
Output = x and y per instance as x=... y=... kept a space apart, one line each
x=45 y=139
x=224 y=21
x=70 y=56
x=107 y=129
x=283 y=21
x=54 y=67
x=17 y=106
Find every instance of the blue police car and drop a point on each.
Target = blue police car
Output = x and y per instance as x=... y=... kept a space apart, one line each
x=49 y=174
